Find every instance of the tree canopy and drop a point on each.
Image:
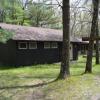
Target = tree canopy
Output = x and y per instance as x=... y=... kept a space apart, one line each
x=5 y=35
x=26 y=12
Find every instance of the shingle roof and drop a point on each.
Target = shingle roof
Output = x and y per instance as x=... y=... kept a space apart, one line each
x=36 y=33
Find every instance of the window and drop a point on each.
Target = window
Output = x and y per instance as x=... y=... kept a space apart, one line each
x=22 y=45
x=32 y=45
x=47 y=45
x=54 y=45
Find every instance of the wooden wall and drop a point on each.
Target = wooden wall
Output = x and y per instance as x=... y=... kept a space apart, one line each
x=11 y=55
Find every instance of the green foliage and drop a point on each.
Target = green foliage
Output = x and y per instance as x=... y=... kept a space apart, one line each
x=41 y=15
x=14 y=12
x=5 y=35
x=28 y=13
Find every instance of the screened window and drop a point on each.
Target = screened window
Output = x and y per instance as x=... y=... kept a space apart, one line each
x=33 y=45
x=54 y=45
x=22 y=45
x=47 y=45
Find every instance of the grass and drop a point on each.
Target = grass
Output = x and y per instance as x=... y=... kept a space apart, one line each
x=23 y=83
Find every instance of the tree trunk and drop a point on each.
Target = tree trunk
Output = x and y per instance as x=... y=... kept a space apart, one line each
x=2 y=15
x=88 y=68
x=97 y=45
x=65 y=63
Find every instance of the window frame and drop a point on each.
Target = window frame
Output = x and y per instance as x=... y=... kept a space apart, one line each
x=19 y=46
x=54 y=47
x=45 y=46
x=32 y=47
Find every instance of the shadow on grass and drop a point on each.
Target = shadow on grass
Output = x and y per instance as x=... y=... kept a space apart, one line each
x=27 y=86
x=55 y=65
x=7 y=67
x=38 y=85
x=80 y=65
x=82 y=74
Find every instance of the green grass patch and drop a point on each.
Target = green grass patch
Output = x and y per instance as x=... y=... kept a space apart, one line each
x=21 y=83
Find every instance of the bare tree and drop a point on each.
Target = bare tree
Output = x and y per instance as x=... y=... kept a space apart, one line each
x=88 y=68
x=65 y=63
x=97 y=45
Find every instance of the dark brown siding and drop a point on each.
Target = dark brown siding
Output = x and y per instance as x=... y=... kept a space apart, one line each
x=37 y=56
x=8 y=53
x=11 y=55
x=75 y=51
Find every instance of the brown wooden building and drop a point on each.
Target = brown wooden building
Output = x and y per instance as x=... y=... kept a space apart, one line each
x=32 y=45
